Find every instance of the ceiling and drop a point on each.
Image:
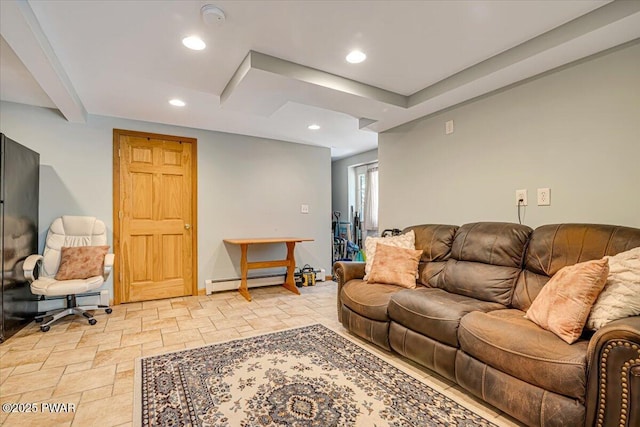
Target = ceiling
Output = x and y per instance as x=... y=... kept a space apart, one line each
x=275 y=67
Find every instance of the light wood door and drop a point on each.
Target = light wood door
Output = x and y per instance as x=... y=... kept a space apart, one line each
x=156 y=217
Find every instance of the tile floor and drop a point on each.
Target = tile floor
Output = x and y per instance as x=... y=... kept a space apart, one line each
x=92 y=367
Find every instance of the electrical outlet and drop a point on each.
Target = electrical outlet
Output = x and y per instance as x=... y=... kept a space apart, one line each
x=304 y=208
x=544 y=196
x=521 y=195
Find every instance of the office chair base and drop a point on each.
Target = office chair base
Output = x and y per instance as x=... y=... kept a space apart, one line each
x=72 y=309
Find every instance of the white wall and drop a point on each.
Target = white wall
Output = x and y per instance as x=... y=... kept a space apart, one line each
x=247 y=187
x=576 y=130
x=340 y=180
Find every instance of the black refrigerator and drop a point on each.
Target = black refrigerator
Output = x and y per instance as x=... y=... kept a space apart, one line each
x=19 y=183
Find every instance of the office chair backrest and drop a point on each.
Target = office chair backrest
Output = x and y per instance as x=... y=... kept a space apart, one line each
x=70 y=231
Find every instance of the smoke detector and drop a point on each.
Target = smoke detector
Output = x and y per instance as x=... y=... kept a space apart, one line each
x=212 y=15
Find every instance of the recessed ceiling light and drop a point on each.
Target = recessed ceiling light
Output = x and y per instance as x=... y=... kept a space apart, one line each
x=314 y=127
x=194 y=42
x=177 y=103
x=356 y=57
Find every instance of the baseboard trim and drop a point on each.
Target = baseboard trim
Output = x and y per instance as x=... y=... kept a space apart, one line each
x=213 y=286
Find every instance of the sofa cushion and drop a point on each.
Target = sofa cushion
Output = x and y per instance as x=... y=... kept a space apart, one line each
x=505 y=340
x=368 y=299
x=480 y=281
x=434 y=312
x=485 y=261
x=554 y=246
x=435 y=240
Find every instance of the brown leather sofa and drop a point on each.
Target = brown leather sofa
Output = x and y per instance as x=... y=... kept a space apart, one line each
x=465 y=321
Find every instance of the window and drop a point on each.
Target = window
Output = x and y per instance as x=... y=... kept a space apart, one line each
x=371 y=200
x=363 y=195
x=361 y=190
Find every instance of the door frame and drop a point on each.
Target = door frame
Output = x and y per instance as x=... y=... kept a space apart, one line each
x=118 y=290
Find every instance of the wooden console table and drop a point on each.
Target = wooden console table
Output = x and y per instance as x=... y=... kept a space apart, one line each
x=289 y=262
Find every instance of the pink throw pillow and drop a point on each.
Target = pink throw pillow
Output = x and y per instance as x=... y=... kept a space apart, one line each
x=395 y=266
x=81 y=262
x=564 y=303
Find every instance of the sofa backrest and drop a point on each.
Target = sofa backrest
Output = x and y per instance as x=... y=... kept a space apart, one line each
x=485 y=261
x=554 y=246
x=435 y=241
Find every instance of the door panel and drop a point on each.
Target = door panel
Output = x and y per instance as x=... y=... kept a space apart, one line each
x=141 y=155
x=142 y=204
x=172 y=259
x=156 y=216
x=172 y=157
x=171 y=189
x=142 y=257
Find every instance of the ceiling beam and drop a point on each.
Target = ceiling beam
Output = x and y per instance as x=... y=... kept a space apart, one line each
x=613 y=17
x=271 y=64
x=22 y=31
x=592 y=21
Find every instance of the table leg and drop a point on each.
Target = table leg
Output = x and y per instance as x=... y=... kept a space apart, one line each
x=244 y=268
x=291 y=282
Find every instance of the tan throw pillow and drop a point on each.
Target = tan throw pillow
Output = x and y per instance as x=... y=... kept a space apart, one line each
x=407 y=241
x=395 y=266
x=564 y=303
x=620 y=297
x=81 y=262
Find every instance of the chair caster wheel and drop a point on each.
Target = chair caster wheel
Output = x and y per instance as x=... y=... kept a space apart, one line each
x=92 y=321
x=39 y=319
x=108 y=310
x=45 y=328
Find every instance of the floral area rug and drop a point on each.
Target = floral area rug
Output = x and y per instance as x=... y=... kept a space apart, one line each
x=309 y=376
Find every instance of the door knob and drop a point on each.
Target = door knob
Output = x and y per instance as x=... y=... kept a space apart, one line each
x=187 y=226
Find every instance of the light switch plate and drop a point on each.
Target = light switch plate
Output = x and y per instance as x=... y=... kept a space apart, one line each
x=304 y=208
x=448 y=127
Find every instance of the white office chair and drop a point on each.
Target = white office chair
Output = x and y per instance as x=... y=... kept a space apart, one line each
x=71 y=235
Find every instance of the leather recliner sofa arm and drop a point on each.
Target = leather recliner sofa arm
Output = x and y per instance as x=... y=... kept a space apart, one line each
x=345 y=271
x=613 y=394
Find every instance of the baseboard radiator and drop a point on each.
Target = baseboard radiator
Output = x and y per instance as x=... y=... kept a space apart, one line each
x=252 y=282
